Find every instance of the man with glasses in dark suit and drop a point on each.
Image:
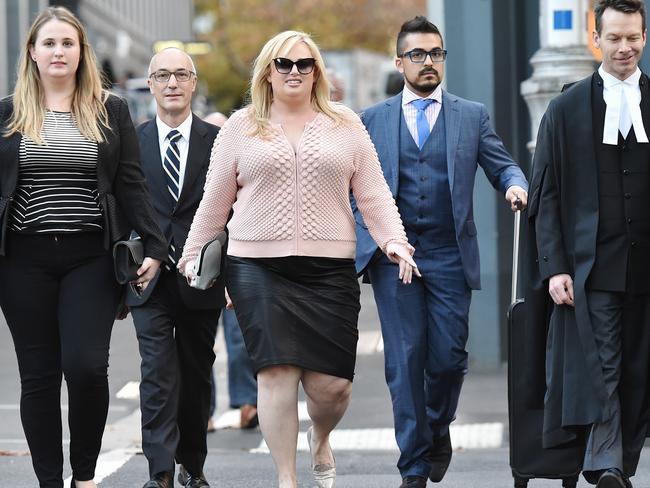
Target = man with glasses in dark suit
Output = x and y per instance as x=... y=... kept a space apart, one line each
x=175 y=324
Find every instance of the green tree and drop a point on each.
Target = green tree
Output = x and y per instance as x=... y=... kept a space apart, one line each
x=241 y=27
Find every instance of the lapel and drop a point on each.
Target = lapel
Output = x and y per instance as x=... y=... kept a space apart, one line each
x=198 y=156
x=392 y=120
x=644 y=84
x=9 y=171
x=152 y=164
x=588 y=104
x=579 y=147
x=103 y=155
x=451 y=111
x=598 y=109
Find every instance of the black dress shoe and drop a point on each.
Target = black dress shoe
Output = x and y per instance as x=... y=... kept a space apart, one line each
x=613 y=478
x=591 y=477
x=161 y=480
x=188 y=480
x=414 y=482
x=440 y=457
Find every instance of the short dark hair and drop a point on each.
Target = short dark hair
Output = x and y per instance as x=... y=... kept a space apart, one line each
x=625 y=6
x=417 y=25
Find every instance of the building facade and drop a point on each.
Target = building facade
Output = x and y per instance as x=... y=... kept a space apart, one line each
x=122 y=32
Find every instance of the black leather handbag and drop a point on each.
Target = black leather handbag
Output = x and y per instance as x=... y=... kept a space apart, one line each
x=127 y=259
x=207 y=266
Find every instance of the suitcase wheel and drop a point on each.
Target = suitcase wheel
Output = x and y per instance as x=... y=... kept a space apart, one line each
x=521 y=482
x=570 y=482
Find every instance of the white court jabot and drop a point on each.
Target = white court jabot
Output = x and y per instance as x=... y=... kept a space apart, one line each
x=623 y=99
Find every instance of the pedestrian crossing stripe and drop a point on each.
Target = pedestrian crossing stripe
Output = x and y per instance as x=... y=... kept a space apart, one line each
x=108 y=463
x=130 y=391
x=467 y=436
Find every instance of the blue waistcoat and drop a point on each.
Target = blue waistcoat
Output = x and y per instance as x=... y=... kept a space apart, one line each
x=423 y=197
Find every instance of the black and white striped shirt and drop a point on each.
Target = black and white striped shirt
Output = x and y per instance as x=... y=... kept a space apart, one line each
x=57 y=185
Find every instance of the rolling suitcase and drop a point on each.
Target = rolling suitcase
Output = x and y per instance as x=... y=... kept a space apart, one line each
x=526 y=389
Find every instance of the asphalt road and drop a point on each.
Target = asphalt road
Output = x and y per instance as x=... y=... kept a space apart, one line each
x=364 y=444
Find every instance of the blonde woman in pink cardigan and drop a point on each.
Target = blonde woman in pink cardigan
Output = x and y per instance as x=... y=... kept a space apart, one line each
x=286 y=165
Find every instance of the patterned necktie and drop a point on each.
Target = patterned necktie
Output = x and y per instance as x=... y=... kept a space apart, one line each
x=424 y=130
x=172 y=167
x=172 y=164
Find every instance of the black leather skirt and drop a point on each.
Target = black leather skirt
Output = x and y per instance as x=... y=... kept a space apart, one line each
x=297 y=310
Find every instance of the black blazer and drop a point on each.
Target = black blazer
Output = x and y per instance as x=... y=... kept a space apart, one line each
x=175 y=218
x=123 y=195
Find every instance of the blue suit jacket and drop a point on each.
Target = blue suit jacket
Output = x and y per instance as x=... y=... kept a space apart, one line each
x=470 y=142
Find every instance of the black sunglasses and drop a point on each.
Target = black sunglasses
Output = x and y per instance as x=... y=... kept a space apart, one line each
x=285 y=65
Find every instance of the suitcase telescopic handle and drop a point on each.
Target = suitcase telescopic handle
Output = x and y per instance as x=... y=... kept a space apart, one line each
x=515 y=250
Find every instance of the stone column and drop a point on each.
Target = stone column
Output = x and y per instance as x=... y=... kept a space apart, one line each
x=563 y=56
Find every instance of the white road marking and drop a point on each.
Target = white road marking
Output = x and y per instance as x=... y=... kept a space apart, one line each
x=230 y=418
x=130 y=391
x=124 y=432
x=108 y=463
x=370 y=342
x=468 y=436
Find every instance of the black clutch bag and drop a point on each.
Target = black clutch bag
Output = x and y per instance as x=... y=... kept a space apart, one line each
x=207 y=266
x=127 y=259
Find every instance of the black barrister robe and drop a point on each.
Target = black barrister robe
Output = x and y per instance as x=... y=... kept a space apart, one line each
x=565 y=178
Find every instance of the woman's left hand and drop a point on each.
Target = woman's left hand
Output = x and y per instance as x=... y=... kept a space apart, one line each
x=400 y=253
x=146 y=272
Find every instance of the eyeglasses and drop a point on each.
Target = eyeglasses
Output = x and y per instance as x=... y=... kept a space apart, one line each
x=419 y=56
x=285 y=65
x=162 y=75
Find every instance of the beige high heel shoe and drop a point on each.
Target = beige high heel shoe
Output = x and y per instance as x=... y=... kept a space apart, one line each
x=324 y=474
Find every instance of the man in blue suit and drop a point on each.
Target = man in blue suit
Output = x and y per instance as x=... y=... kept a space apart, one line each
x=429 y=143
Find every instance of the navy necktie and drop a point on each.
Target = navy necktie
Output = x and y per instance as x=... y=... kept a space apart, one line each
x=422 y=123
x=172 y=167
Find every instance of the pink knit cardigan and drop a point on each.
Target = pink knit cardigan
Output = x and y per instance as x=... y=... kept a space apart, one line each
x=286 y=203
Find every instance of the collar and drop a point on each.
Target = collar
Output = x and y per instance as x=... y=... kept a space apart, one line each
x=622 y=98
x=408 y=96
x=609 y=81
x=184 y=128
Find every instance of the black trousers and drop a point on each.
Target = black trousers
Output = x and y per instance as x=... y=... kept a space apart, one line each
x=622 y=332
x=176 y=347
x=634 y=386
x=59 y=296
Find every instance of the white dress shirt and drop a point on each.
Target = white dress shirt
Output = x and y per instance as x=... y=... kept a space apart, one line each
x=411 y=113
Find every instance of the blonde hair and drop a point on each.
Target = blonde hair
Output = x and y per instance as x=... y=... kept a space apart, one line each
x=88 y=100
x=261 y=92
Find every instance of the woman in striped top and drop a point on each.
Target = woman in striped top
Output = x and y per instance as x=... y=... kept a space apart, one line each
x=70 y=186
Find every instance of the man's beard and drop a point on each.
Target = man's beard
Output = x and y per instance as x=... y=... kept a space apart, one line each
x=425 y=86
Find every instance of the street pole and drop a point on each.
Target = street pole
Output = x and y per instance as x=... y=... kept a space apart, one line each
x=563 y=56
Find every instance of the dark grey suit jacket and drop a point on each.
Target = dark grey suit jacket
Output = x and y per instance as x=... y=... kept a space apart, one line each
x=175 y=218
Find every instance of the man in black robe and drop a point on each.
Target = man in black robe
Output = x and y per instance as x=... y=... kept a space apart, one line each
x=590 y=210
